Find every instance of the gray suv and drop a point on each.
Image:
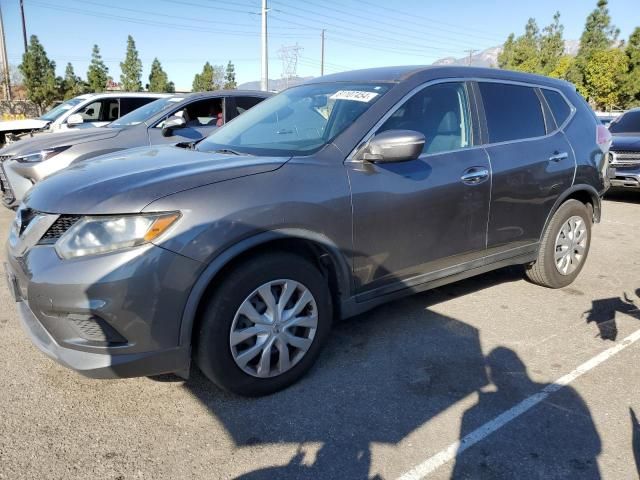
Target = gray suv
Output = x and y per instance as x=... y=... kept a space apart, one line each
x=318 y=204
x=176 y=118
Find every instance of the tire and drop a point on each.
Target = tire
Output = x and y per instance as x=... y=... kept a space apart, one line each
x=215 y=354
x=544 y=271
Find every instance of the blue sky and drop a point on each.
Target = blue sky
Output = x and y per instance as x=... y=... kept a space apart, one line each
x=184 y=34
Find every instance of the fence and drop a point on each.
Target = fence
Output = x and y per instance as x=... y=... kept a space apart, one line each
x=17 y=109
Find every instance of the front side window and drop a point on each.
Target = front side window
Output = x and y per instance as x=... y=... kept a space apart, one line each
x=202 y=113
x=513 y=112
x=91 y=112
x=626 y=123
x=298 y=121
x=440 y=112
x=145 y=113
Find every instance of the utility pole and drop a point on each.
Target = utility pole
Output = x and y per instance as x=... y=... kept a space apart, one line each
x=470 y=52
x=264 y=81
x=5 y=61
x=322 y=53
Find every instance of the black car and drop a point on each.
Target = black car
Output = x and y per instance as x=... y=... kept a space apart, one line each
x=321 y=202
x=625 y=150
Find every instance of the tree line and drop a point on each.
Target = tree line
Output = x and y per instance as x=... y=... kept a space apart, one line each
x=43 y=87
x=606 y=70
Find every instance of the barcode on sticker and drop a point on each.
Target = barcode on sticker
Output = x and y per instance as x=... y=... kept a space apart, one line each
x=355 y=95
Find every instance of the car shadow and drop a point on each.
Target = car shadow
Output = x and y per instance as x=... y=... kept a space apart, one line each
x=383 y=375
x=603 y=313
x=623 y=196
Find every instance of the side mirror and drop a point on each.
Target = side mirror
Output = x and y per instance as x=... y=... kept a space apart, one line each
x=171 y=124
x=75 y=119
x=393 y=146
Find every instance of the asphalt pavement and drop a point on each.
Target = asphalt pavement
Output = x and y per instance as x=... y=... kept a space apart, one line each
x=492 y=377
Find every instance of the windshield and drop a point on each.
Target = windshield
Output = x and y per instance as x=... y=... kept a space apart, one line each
x=627 y=123
x=145 y=112
x=55 y=112
x=298 y=121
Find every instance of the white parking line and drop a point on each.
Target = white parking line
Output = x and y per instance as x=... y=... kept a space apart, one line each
x=456 y=448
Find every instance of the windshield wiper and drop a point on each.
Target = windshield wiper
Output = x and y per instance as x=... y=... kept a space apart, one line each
x=228 y=151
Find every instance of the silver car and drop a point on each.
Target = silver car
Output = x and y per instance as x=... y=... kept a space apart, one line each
x=83 y=111
x=174 y=119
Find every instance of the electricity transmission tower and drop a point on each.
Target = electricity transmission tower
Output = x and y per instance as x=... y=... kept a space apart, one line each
x=289 y=56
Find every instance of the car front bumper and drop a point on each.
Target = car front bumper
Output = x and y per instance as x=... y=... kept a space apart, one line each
x=110 y=316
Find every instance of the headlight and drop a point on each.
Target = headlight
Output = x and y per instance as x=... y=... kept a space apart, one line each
x=40 y=156
x=102 y=234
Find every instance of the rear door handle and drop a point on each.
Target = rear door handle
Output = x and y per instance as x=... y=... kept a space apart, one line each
x=558 y=156
x=474 y=175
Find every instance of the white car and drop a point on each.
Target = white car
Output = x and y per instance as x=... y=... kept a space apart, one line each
x=89 y=110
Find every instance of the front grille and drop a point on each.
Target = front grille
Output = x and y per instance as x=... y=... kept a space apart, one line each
x=59 y=227
x=625 y=159
x=7 y=192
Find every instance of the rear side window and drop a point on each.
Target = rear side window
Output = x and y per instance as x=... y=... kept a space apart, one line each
x=129 y=104
x=513 y=112
x=558 y=105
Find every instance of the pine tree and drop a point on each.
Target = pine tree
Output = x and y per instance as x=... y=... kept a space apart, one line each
x=131 y=68
x=158 y=79
x=230 y=77
x=631 y=82
x=39 y=75
x=210 y=79
x=98 y=73
x=72 y=85
x=599 y=34
x=551 y=45
x=522 y=53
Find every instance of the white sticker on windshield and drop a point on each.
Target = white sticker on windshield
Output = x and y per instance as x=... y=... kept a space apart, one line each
x=355 y=95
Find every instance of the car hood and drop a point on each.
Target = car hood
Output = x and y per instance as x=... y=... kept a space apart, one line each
x=46 y=140
x=626 y=142
x=25 y=124
x=129 y=181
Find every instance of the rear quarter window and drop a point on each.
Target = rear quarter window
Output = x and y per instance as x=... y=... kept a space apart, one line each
x=513 y=112
x=558 y=105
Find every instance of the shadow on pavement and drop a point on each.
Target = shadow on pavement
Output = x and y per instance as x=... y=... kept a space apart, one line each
x=388 y=372
x=555 y=439
x=624 y=196
x=603 y=313
x=635 y=438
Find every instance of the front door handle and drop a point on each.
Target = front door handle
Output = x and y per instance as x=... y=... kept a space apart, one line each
x=474 y=175
x=558 y=156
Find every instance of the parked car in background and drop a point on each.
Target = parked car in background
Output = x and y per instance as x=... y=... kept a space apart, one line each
x=322 y=202
x=172 y=119
x=90 y=110
x=625 y=150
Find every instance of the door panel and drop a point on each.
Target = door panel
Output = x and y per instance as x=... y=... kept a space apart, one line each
x=530 y=168
x=527 y=181
x=420 y=216
x=417 y=217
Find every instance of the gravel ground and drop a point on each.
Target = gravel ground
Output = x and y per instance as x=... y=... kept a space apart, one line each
x=394 y=387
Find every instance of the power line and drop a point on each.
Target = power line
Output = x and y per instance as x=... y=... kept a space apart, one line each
x=156 y=23
x=401 y=27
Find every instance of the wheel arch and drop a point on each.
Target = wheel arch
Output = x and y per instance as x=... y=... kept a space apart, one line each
x=583 y=193
x=315 y=246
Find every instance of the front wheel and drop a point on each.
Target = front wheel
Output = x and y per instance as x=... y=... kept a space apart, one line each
x=564 y=246
x=264 y=325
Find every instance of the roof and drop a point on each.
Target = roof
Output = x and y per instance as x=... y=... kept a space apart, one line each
x=226 y=93
x=88 y=96
x=401 y=73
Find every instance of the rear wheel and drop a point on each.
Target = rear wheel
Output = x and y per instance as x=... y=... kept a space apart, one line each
x=564 y=246
x=265 y=324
